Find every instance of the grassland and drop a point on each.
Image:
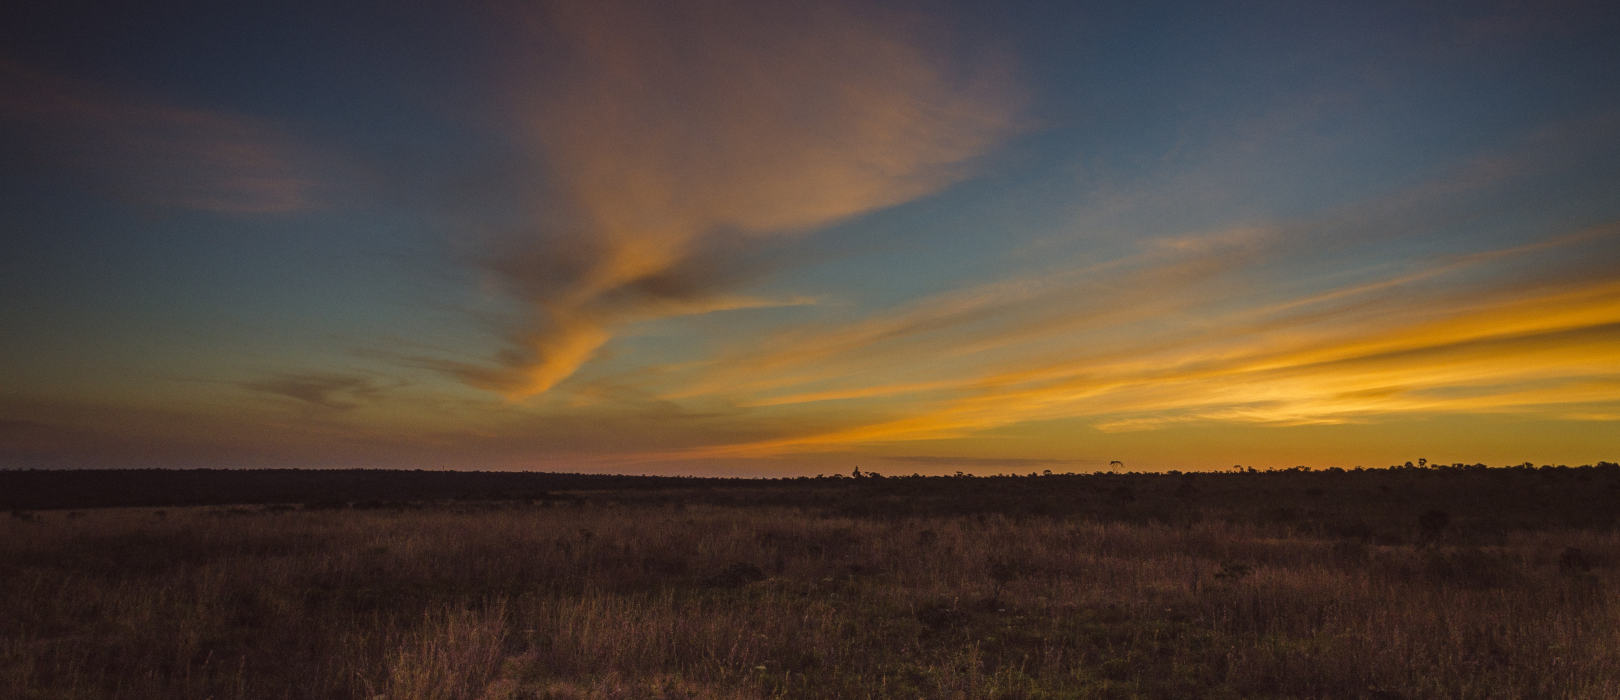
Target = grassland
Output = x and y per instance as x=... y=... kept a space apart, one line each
x=1463 y=583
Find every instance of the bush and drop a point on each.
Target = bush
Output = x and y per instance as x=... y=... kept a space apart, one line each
x=736 y=575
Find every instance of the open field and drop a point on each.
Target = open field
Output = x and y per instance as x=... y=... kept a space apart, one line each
x=1384 y=583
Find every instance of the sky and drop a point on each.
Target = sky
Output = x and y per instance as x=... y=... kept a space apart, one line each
x=779 y=239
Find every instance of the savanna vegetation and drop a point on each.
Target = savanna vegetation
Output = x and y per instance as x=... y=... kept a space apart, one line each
x=1415 y=582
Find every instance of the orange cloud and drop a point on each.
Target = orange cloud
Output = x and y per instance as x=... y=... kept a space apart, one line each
x=1494 y=339
x=677 y=129
x=966 y=324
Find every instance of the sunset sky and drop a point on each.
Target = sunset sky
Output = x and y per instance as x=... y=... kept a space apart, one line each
x=753 y=238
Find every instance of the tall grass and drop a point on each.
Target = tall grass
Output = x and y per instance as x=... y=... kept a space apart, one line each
x=732 y=601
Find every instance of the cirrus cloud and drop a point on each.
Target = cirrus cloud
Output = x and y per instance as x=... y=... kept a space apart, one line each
x=679 y=132
x=157 y=153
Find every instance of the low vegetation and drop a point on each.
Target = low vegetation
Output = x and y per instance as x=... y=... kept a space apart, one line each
x=1381 y=584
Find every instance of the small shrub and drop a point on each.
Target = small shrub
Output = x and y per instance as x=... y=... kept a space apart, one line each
x=736 y=575
x=939 y=616
x=1470 y=568
x=1003 y=572
x=1574 y=561
x=1352 y=528
x=1282 y=515
x=1350 y=552
x=1433 y=523
x=663 y=566
x=1232 y=572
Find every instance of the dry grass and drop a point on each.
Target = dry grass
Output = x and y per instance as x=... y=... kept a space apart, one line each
x=711 y=601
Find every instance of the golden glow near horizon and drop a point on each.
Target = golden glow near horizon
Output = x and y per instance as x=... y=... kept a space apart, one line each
x=1552 y=352
x=704 y=237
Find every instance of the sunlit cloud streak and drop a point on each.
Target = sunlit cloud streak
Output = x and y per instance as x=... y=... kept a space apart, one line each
x=977 y=319
x=156 y=153
x=1490 y=338
x=1180 y=290
x=679 y=132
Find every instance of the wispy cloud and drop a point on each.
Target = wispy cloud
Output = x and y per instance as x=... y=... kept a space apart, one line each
x=1487 y=337
x=337 y=392
x=678 y=133
x=1064 y=303
x=157 y=153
